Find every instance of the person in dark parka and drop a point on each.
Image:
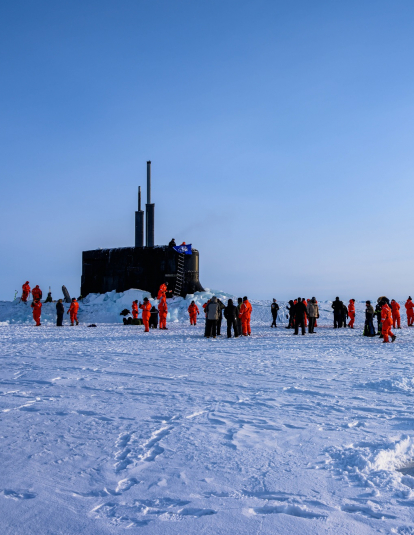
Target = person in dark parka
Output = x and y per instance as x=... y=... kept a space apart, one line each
x=290 y=308
x=299 y=311
x=222 y=306
x=378 y=309
x=60 y=310
x=231 y=315
x=344 y=315
x=213 y=313
x=369 y=320
x=337 y=306
x=274 y=307
x=153 y=321
x=239 y=324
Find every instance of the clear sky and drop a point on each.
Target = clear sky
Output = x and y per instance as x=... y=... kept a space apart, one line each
x=281 y=136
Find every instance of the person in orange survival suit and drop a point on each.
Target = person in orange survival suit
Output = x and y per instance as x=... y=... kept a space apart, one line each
x=193 y=311
x=245 y=314
x=163 y=311
x=25 y=291
x=37 y=310
x=305 y=315
x=73 y=311
x=37 y=292
x=162 y=290
x=146 y=313
x=135 y=309
x=386 y=320
x=351 y=313
x=396 y=317
x=410 y=313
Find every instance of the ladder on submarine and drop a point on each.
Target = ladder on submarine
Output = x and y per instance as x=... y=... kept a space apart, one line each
x=180 y=275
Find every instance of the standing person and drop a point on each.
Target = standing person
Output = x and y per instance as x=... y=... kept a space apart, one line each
x=193 y=311
x=146 y=313
x=153 y=321
x=351 y=313
x=135 y=309
x=337 y=306
x=37 y=293
x=313 y=313
x=220 y=319
x=396 y=317
x=344 y=315
x=369 y=319
x=25 y=291
x=377 y=313
x=163 y=311
x=205 y=315
x=316 y=319
x=290 y=308
x=386 y=320
x=274 y=307
x=306 y=313
x=245 y=315
x=299 y=315
x=162 y=290
x=239 y=323
x=37 y=310
x=410 y=312
x=230 y=313
x=73 y=311
x=212 y=316
x=60 y=310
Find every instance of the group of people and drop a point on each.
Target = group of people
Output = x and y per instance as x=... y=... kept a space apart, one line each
x=302 y=313
x=237 y=317
x=36 y=305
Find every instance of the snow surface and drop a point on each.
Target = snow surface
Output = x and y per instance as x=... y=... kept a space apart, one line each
x=110 y=430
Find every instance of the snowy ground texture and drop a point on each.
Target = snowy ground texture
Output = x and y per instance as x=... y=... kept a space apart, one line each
x=109 y=430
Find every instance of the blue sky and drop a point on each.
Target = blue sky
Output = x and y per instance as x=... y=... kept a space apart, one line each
x=281 y=136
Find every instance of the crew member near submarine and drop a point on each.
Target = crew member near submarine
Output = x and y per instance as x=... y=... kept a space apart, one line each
x=162 y=290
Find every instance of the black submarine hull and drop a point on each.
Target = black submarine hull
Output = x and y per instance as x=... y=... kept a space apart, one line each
x=146 y=268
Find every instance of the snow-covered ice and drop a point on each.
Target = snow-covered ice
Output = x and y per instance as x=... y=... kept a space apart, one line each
x=108 y=429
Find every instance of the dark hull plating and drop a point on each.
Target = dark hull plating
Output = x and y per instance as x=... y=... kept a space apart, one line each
x=146 y=268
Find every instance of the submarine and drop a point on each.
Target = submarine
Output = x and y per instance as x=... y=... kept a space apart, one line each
x=144 y=267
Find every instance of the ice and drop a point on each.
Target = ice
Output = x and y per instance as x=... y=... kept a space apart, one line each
x=111 y=429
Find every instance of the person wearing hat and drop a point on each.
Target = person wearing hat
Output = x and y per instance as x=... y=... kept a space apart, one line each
x=313 y=313
x=73 y=311
x=230 y=313
x=146 y=313
x=274 y=308
x=245 y=315
x=337 y=306
x=369 y=319
x=37 y=309
x=193 y=311
x=409 y=305
x=299 y=311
